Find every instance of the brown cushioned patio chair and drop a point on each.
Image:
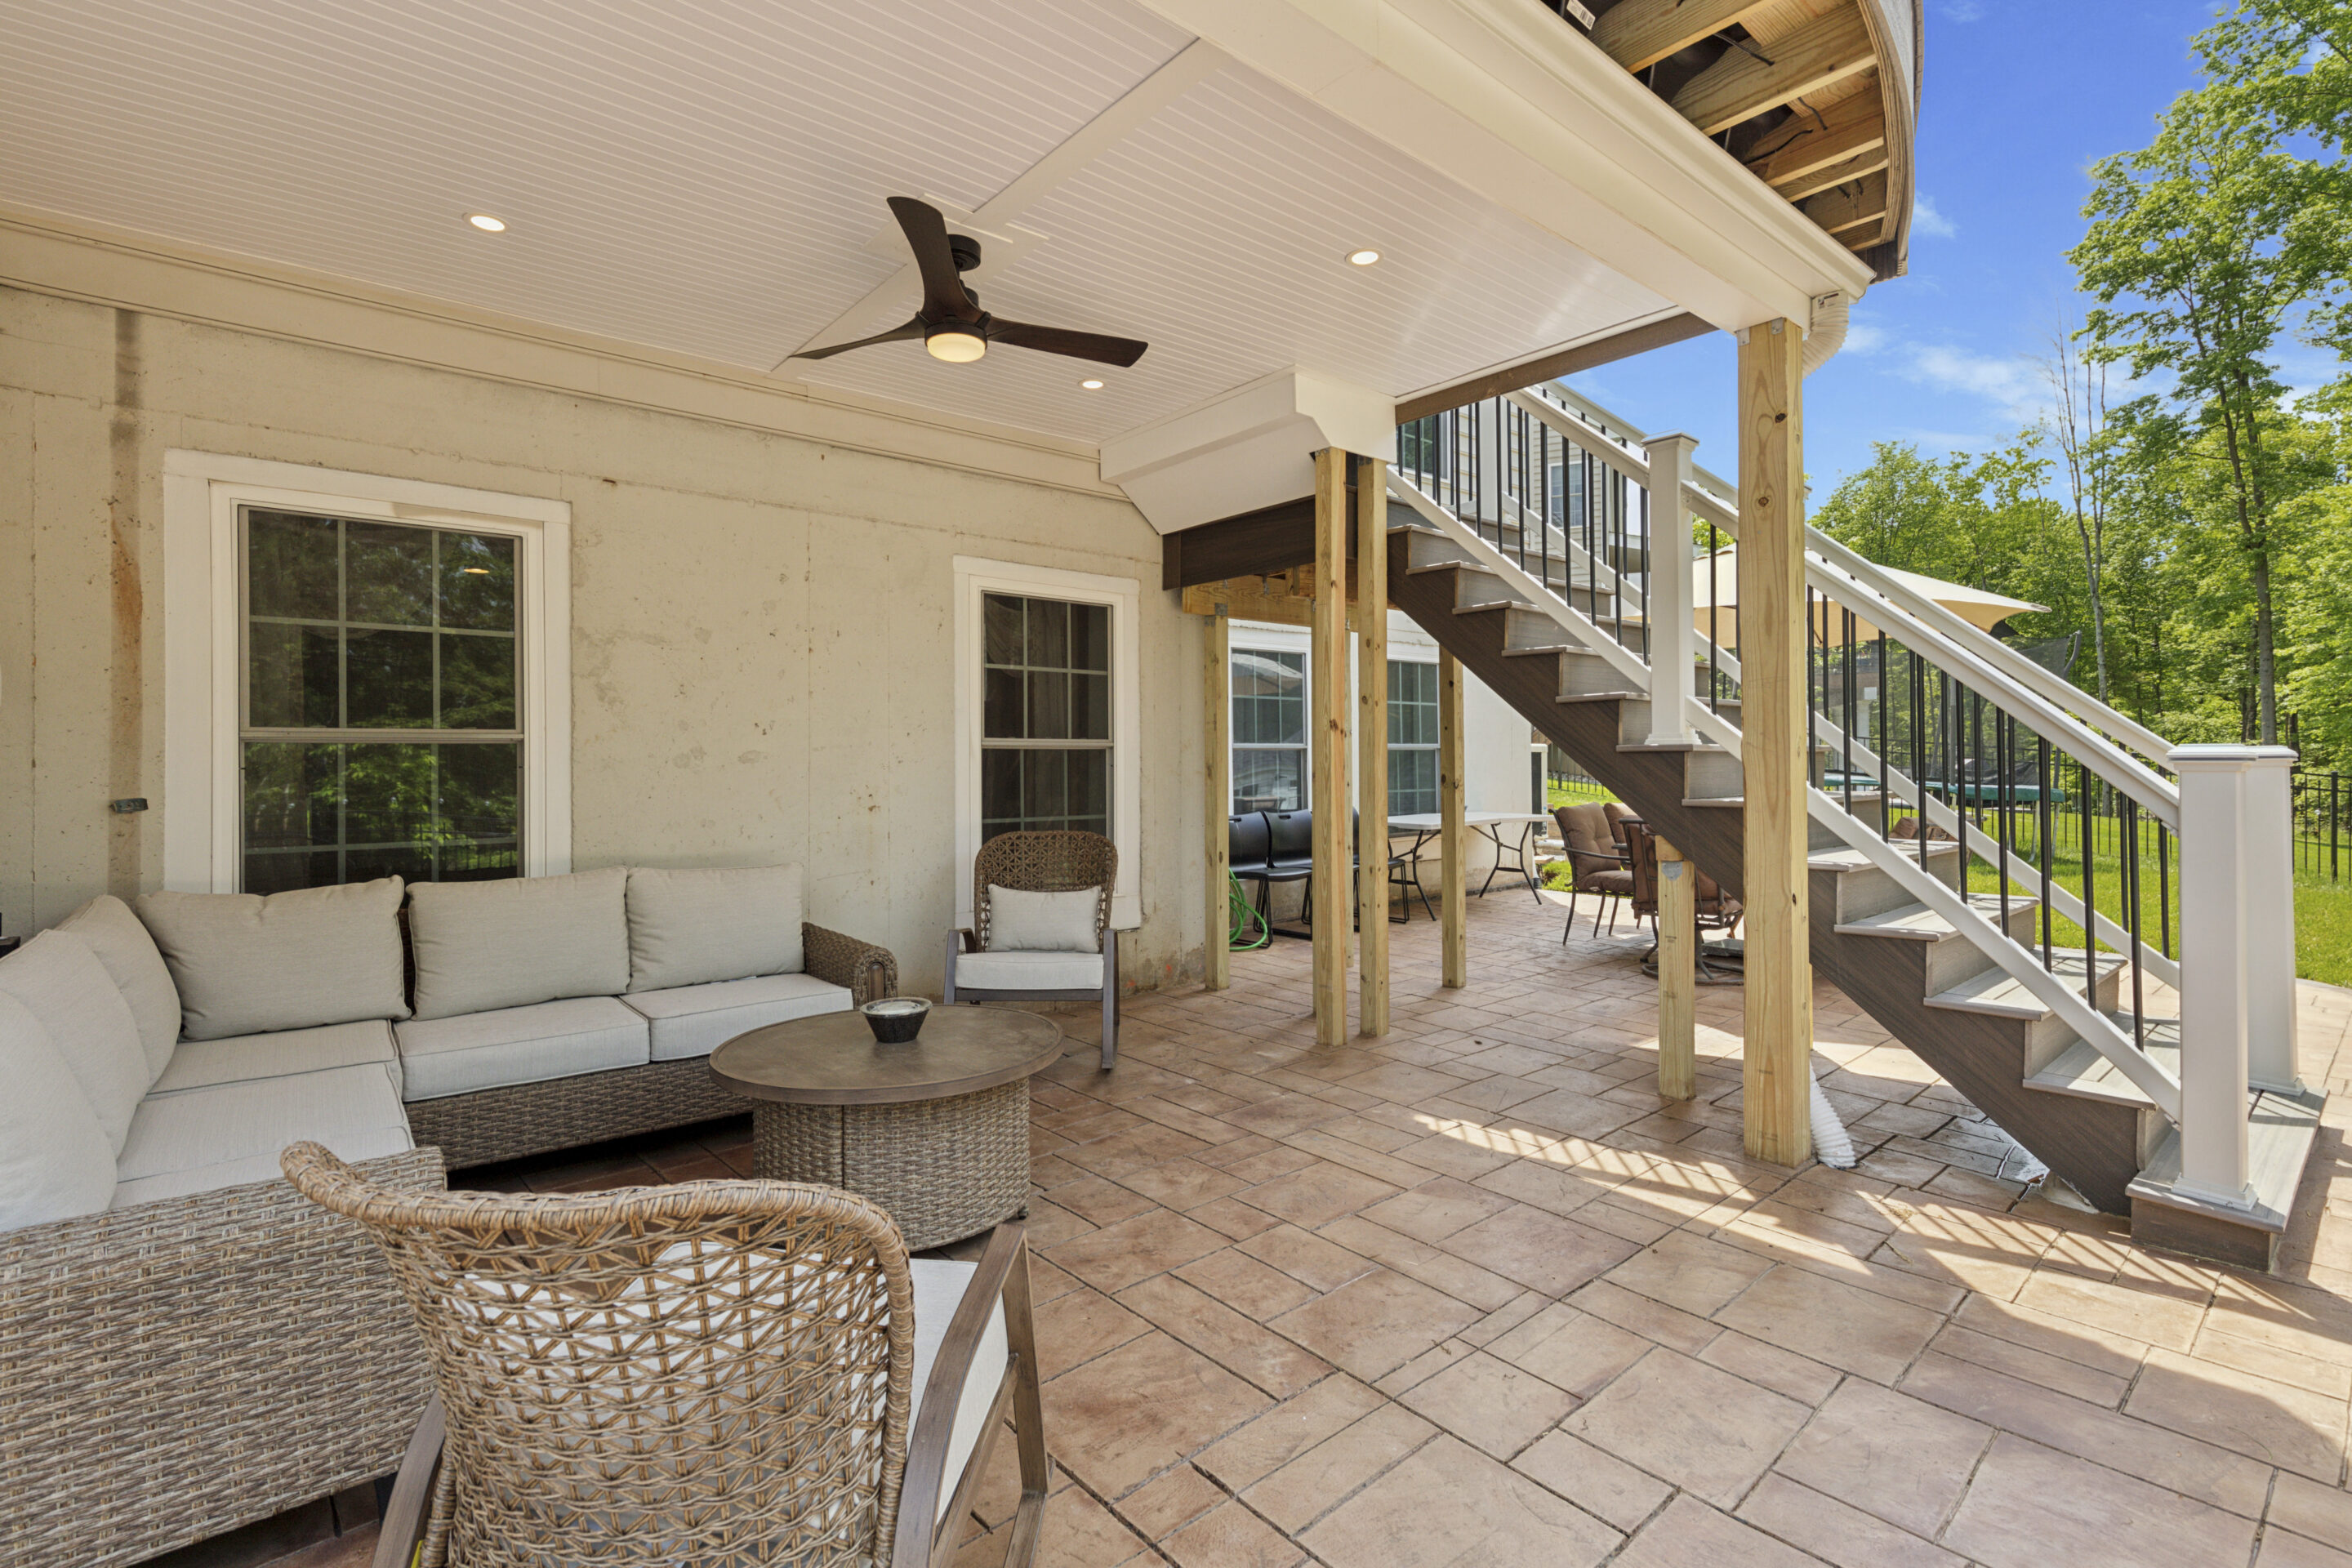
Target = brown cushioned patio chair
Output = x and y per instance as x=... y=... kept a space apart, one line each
x=711 y=1373
x=1596 y=861
x=1061 y=862
x=1712 y=909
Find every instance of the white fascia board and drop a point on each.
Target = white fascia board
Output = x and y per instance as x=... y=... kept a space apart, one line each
x=1246 y=448
x=1505 y=99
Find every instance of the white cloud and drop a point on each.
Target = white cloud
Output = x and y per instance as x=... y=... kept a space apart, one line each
x=1927 y=220
x=1862 y=338
x=1961 y=11
x=2013 y=382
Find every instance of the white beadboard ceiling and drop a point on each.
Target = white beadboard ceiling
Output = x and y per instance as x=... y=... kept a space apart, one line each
x=705 y=180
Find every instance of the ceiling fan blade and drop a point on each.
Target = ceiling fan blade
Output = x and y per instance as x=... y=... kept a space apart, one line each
x=1060 y=341
x=927 y=236
x=913 y=329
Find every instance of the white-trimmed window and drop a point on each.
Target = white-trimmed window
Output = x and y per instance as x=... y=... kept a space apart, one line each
x=1413 y=737
x=367 y=677
x=1269 y=729
x=1046 y=713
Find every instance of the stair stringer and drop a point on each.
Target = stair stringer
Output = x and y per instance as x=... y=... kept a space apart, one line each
x=2093 y=1145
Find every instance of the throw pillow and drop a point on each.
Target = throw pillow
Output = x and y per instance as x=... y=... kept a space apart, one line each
x=130 y=955
x=53 y=1159
x=1042 y=922
x=689 y=928
x=249 y=963
x=485 y=945
x=68 y=991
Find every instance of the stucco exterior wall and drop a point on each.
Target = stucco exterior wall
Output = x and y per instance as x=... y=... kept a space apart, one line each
x=760 y=623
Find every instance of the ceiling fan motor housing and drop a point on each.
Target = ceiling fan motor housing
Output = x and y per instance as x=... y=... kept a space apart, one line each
x=966 y=251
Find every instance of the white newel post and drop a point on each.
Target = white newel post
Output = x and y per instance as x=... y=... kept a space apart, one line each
x=1672 y=566
x=2216 y=930
x=2271 y=1042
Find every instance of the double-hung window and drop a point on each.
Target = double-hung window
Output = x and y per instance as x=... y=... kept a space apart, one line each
x=1412 y=738
x=1046 y=733
x=1269 y=735
x=382 y=730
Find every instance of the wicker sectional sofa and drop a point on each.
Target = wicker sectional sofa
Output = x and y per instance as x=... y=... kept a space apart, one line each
x=186 y=1344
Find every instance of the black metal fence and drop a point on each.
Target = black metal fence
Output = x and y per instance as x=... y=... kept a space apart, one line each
x=2322 y=834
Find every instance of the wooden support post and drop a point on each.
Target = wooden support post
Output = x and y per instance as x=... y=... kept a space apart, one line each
x=1216 y=966
x=1454 y=838
x=1373 y=745
x=1776 y=1055
x=1677 y=975
x=1327 y=748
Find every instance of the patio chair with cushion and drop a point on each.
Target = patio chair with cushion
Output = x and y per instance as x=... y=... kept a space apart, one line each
x=716 y=1371
x=1041 y=926
x=1596 y=861
x=1712 y=907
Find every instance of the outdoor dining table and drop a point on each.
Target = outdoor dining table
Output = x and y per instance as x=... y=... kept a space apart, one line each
x=1427 y=825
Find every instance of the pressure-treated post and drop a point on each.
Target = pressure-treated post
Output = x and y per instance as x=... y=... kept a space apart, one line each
x=1216 y=807
x=1328 y=748
x=1677 y=975
x=2215 y=966
x=2273 y=1033
x=1776 y=1056
x=1672 y=556
x=1454 y=838
x=1373 y=745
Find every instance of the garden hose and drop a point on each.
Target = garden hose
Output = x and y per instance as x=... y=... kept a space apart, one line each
x=1240 y=918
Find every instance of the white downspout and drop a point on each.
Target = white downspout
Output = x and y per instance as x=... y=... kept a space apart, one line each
x=1826 y=335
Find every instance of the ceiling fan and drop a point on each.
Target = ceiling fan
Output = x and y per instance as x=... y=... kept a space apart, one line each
x=951 y=324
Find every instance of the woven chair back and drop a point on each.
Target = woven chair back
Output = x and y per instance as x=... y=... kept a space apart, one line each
x=1044 y=863
x=1584 y=828
x=715 y=1372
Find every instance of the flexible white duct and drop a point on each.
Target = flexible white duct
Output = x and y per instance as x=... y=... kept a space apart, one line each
x=1827 y=334
x=1832 y=1147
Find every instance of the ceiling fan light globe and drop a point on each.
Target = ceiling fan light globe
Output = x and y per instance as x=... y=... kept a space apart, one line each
x=954 y=343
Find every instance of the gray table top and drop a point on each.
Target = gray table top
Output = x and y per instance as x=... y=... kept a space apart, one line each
x=833 y=1058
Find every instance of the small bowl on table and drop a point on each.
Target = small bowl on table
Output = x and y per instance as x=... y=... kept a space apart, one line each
x=896 y=1020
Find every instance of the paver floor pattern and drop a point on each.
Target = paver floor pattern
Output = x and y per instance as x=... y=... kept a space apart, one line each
x=1473 y=1294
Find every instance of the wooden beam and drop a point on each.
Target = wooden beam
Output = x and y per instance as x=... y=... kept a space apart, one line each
x=1257 y=599
x=1327 y=681
x=1740 y=87
x=1372 y=748
x=1848 y=207
x=1554 y=365
x=1808 y=142
x=1776 y=1056
x=1454 y=838
x=1217 y=804
x=1846 y=172
x=1638 y=34
x=1677 y=975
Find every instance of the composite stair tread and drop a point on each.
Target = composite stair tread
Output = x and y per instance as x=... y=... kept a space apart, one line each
x=2281 y=1128
x=2082 y=1069
x=1917 y=922
x=2002 y=993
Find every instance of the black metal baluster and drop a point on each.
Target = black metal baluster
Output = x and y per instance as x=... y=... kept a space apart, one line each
x=2128 y=831
x=1884 y=725
x=1919 y=749
x=2090 y=906
x=2164 y=887
x=1845 y=693
x=2003 y=803
x=1961 y=795
x=2041 y=842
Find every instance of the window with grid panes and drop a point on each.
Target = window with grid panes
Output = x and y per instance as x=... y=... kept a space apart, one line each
x=1269 y=738
x=1046 y=748
x=382 y=731
x=1412 y=738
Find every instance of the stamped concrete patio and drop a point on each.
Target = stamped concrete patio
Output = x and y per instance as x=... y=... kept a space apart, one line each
x=1473 y=1295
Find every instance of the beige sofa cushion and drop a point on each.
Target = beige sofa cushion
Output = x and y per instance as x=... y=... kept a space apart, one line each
x=61 y=982
x=1042 y=922
x=243 y=1058
x=55 y=1159
x=691 y=928
x=130 y=956
x=246 y=964
x=228 y=1134
x=1029 y=970
x=442 y=1056
x=696 y=1020
x=483 y=946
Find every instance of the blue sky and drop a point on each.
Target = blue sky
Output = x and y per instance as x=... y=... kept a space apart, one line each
x=2020 y=96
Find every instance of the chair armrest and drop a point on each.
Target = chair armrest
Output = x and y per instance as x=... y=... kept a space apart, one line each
x=964 y=939
x=869 y=971
x=409 y=1511
x=926 y=1445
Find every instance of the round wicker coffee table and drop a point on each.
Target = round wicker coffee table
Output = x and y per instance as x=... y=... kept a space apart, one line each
x=935 y=1130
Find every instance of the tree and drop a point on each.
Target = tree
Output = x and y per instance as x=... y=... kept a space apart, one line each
x=2079 y=426
x=2201 y=248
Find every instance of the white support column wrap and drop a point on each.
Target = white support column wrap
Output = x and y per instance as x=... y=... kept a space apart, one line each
x=2273 y=1048
x=2215 y=930
x=1673 y=566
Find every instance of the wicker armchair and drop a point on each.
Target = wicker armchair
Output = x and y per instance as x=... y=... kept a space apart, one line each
x=1597 y=861
x=717 y=1373
x=1041 y=863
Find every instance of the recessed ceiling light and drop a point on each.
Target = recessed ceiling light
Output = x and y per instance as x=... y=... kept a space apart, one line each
x=485 y=223
x=1362 y=258
x=1091 y=385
